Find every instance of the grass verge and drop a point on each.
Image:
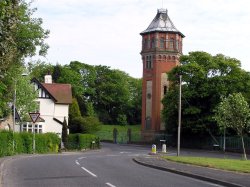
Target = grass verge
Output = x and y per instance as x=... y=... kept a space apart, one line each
x=109 y=128
x=224 y=164
x=106 y=132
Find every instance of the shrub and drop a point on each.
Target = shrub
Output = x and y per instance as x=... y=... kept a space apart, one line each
x=45 y=143
x=73 y=140
x=122 y=119
x=65 y=132
x=92 y=124
x=6 y=143
x=77 y=125
x=89 y=124
x=27 y=142
x=19 y=144
x=82 y=141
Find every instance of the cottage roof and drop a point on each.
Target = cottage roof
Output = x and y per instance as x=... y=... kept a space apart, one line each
x=60 y=92
x=162 y=23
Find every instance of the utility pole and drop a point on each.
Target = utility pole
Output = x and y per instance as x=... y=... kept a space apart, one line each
x=14 y=116
x=14 y=111
x=224 y=140
x=179 y=117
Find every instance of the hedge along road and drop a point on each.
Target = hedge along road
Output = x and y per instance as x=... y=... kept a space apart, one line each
x=111 y=166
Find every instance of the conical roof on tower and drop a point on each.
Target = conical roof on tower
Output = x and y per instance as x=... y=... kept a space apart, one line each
x=162 y=23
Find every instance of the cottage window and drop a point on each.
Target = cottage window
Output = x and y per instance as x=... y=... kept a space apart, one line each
x=29 y=128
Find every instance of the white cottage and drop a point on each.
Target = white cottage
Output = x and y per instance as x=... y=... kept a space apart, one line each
x=53 y=100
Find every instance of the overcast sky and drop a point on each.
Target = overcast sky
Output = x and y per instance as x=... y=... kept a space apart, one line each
x=106 y=32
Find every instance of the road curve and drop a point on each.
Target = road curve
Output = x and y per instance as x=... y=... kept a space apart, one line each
x=112 y=166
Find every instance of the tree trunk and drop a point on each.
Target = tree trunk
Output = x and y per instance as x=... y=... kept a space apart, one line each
x=243 y=146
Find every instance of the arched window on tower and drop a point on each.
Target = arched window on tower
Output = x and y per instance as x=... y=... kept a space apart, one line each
x=165 y=89
x=171 y=43
x=144 y=43
x=149 y=63
x=162 y=43
x=153 y=43
x=148 y=43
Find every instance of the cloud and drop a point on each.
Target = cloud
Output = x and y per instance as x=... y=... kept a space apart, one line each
x=107 y=31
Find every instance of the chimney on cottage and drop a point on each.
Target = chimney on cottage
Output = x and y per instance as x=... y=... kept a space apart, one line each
x=48 y=79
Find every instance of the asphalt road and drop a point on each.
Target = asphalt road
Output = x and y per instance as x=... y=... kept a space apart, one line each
x=112 y=166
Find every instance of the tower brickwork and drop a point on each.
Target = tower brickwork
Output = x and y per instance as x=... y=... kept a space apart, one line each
x=161 y=50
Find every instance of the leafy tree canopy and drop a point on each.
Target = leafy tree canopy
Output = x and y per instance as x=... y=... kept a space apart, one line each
x=100 y=91
x=233 y=112
x=21 y=35
x=206 y=79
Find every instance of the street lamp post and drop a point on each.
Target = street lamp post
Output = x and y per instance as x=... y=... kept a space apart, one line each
x=224 y=140
x=14 y=111
x=14 y=115
x=179 y=117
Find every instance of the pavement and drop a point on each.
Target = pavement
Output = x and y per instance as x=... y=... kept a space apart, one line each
x=2 y=161
x=216 y=176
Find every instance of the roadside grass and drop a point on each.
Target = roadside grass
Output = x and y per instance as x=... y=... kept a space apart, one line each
x=224 y=164
x=106 y=132
x=109 y=128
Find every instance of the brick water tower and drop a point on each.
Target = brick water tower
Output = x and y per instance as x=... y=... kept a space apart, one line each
x=161 y=50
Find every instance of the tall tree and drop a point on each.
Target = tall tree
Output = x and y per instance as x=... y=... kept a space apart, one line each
x=100 y=91
x=71 y=77
x=21 y=35
x=135 y=95
x=25 y=96
x=65 y=132
x=38 y=69
x=233 y=112
x=110 y=92
x=206 y=79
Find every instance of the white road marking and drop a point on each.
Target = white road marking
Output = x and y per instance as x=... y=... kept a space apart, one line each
x=81 y=158
x=77 y=162
x=109 y=184
x=89 y=172
x=124 y=152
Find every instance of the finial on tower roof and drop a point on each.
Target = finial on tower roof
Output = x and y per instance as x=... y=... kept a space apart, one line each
x=161 y=23
x=162 y=3
x=162 y=10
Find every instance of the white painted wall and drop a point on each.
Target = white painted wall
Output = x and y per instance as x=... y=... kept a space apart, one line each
x=48 y=111
x=61 y=111
x=47 y=107
x=51 y=125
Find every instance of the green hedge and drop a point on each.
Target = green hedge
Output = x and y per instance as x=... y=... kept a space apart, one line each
x=6 y=146
x=47 y=143
x=23 y=143
x=82 y=141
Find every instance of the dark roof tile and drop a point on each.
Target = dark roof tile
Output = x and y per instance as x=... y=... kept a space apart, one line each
x=61 y=92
